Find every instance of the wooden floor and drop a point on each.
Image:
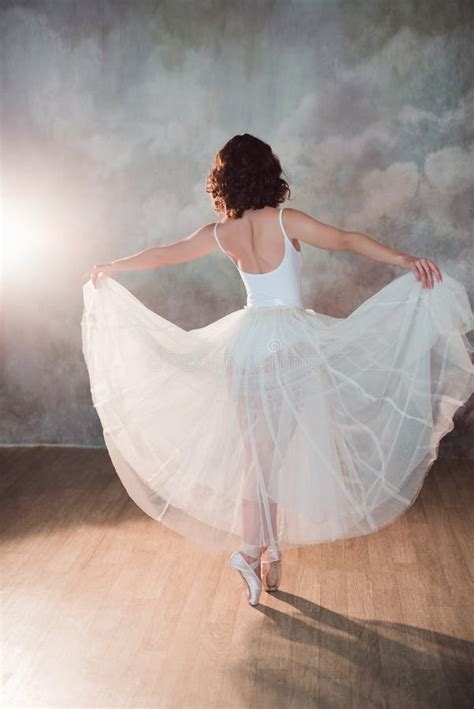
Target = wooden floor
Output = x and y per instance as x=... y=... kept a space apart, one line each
x=103 y=607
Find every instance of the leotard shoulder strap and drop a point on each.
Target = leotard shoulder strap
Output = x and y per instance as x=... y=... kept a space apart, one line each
x=280 y=217
x=220 y=245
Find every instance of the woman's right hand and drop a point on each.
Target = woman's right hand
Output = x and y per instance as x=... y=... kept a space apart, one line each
x=105 y=269
x=423 y=268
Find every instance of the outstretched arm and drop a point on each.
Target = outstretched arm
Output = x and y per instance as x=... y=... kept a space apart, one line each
x=324 y=236
x=200 y=243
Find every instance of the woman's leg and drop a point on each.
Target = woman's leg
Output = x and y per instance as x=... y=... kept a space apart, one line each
x=258 y=417
x=259 y=512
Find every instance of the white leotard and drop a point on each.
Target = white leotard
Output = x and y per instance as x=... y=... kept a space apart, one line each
x=281 y=285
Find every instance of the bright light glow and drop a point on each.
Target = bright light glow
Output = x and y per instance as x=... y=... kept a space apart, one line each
x=25 y=232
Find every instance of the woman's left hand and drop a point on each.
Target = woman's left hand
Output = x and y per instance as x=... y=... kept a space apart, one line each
x=423 y=269
x=104 y=269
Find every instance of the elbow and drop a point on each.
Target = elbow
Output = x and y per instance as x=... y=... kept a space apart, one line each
x=353 y=241
x=346 y=240
x=158 y=256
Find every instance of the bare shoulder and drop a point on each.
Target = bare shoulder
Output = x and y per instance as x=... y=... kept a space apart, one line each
x=197 y=244
x=312 y=231
x=203 y=238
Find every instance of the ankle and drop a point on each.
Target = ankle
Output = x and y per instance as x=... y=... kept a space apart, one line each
x=271 y=553
x=250 y=550
x=253 y=562
x=250 y=559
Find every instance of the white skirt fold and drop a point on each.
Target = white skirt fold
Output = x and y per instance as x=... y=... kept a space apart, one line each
x=279 y=424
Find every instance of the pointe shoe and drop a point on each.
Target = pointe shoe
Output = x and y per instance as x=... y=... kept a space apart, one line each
x=271 y=568
x=250 y=578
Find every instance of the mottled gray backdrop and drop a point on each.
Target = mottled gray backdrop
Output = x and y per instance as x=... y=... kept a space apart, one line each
x=112 y=113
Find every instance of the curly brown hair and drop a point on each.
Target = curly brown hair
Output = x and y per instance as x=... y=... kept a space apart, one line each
x=246 y=175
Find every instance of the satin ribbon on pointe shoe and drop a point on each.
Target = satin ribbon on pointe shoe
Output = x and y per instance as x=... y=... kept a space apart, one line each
x=247 y=573
x=271 y=567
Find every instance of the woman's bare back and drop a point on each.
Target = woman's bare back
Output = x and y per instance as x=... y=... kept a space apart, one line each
x=255 y=242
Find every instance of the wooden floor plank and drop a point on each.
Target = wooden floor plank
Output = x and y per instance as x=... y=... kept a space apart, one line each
x=104 y=607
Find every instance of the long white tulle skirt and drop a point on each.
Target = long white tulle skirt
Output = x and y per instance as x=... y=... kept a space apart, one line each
x=278 y=424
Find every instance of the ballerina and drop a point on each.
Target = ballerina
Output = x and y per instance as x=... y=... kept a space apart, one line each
x=275 y=426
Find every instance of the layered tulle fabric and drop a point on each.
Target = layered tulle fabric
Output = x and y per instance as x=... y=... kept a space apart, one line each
x=279 y=424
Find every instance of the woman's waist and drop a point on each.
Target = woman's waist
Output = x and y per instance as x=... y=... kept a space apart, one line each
x=273 y=302
x=264 y=297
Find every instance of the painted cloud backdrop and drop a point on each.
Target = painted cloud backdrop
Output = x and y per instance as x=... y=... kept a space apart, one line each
x=112 y=113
